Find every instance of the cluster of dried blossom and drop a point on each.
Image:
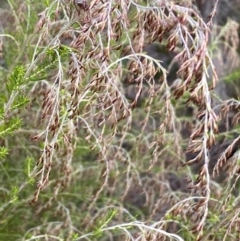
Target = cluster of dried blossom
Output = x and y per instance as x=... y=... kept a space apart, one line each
x=107 y=33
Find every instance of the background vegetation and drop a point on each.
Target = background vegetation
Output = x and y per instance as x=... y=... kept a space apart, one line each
x=119 y=120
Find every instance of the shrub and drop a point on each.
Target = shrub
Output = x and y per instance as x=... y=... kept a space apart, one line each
x=93 y=130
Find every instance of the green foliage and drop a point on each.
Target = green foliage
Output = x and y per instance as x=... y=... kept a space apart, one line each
x=9 y=127
x=28 y=169
x=54 y=56
x=3 y=152
x=20 y=101
x=234 y=76
x=16 y=78
x=103 y=222
x=232 y=81
x=14 y=194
